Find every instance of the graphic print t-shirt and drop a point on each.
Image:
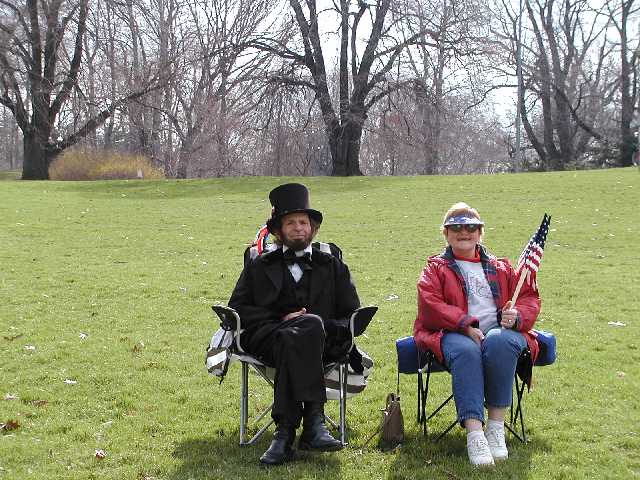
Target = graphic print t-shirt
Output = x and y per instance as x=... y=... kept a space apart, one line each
x=480 y=300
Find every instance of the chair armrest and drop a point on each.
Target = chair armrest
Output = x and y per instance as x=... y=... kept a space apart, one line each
x=229 y=318
x=547 y=343
x=230 y=321
x=360 y=319
x=546 y=355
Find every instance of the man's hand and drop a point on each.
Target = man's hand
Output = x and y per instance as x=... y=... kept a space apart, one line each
x=292 y=315
x=474 y=334
x=509 y=315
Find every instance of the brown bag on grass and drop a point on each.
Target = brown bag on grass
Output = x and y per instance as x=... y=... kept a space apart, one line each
x=391 y=427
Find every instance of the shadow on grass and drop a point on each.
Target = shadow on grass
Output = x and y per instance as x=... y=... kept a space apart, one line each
x=421 y=457
x=221 y=457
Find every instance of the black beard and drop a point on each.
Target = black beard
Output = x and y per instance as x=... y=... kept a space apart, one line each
x=296 y=244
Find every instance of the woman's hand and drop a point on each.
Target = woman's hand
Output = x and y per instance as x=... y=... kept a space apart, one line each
x=474 y=334
x=509 y=315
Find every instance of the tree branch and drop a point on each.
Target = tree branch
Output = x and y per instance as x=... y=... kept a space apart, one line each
x=72 y=76
x=94 y=122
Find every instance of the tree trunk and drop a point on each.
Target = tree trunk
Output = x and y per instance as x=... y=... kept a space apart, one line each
x=279 y=141
x=344 y=130
x=183 y=164
x=35 y=165
x=92 y=137
x=224 y=164
x=354 y=139
x=110 y=50
x=627 y=96
x=344 y=143
x=138 y=136
x=186 y=151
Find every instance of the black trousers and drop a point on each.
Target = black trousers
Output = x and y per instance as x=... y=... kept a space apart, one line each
x=295 y=349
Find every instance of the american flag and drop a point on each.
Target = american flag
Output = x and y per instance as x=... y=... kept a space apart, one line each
x=261 y=239
x=531 y=256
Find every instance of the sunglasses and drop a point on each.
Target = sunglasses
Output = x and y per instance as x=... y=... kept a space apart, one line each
x=469 y=228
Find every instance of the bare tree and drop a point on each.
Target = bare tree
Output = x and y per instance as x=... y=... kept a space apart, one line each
x=362 y=68
x=452 y=63
x=620 y=14
x=291 y=136
x=10 y=145
x=470 y=139
x=214 y=82
x=38 y=78
x=564 y=91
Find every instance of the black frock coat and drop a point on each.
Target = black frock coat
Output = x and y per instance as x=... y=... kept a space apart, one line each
x=332 y=295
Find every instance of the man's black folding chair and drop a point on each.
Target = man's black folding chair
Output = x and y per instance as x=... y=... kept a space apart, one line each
x=411 y=360
x=341 y=379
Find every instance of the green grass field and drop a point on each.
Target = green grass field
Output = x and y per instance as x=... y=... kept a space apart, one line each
x=109 y=285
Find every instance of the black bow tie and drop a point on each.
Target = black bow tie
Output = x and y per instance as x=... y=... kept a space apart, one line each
x=303 y=261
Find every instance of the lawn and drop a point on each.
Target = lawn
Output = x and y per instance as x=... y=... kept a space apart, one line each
x=105 y=294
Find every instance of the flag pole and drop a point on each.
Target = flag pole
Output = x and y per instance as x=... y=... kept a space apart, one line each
x=531 y=256
x=523 y=274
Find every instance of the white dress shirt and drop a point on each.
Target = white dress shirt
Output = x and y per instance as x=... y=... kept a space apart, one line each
x=294 y=268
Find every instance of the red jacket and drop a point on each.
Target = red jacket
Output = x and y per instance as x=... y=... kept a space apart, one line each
x=442 y=300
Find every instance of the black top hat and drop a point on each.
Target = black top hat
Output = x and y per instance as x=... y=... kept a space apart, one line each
x=290 y=198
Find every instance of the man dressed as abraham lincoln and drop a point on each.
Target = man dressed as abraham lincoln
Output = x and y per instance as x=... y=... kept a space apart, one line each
x=294 y=304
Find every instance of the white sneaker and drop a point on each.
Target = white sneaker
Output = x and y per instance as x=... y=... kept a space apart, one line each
x=478 y=449
x=497 y=444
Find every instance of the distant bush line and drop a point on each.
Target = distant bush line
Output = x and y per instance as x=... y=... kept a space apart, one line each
x=107 y=165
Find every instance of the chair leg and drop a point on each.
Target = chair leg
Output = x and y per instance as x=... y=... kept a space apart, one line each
x=419 y=414
x=244 y=401
x=519 y=410
x=342 y=374
x=511 y=407
x=442 y=405
x=447 y=430
x=423 y=393
x=518 y=414
x=260 y=432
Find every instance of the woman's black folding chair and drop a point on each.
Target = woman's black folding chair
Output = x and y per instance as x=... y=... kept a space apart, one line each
x=411 y=360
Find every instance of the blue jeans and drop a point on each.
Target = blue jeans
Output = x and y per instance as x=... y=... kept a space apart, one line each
x=484 y=372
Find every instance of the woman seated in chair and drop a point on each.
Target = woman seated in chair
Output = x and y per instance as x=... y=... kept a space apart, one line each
x=465 y=317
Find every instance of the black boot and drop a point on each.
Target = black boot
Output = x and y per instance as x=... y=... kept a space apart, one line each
x=315 y=435
x=280 y=450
